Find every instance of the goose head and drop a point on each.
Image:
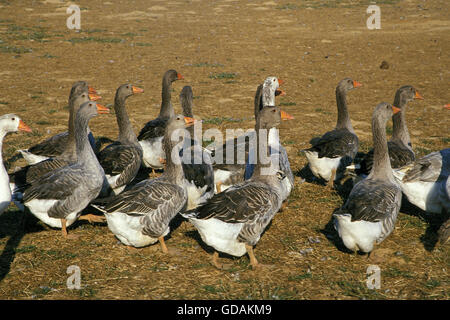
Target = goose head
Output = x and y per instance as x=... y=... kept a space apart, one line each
x=348 y=84
x=91 y=109
x=408 y=93
x=126 y=90
x=273 y=83
x=269 y=117
x=12 y=123
x=384 y=111
x=172 y=75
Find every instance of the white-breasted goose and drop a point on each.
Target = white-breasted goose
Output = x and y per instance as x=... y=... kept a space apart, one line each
x=370 y=212
x=336 y=149
x=151 y=135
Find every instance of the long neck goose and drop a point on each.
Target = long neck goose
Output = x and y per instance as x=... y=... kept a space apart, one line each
x=122 y=159
x=141 y=215
x=278 y=152
x=336 y=149
x=150 y=137
x=371 y=210
x=232 y=221
x=8 y=123
x=55 y=145
x=424 y=181
x=23 y=178
x=229 y=170
x=58 y=197
x=399 y=146
x=197 y=162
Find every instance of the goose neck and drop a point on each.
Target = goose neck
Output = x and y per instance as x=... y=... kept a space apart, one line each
x=126 y=133
x=343 y=120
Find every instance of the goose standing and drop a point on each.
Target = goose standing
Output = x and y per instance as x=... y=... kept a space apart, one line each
x=56 y=144
x=196 y=161
x=58 y=197
x=266 y=97
x=337 y=148
x=150 y=137
x=122 y=159
x=227 y=174
x=23 y=178
x=399 y=146
x=370 y=212
x=8 y=123
x=423 y=182
x=141 y=215
x=232 y=221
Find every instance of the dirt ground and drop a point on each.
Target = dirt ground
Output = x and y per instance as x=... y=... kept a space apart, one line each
x=224 y=49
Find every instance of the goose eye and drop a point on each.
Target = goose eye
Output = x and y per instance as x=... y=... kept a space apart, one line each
x=13 y=119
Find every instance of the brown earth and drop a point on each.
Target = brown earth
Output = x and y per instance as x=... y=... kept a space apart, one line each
x=225 y=49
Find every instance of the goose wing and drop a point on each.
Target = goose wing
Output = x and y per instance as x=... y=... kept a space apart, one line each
x=153 y=129
x=243 y=203
x=373 y=200
x=336 y=143
x=121 y=159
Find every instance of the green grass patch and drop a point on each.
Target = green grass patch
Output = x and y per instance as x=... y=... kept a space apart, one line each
x=223 y=75
x=207 y=64
x=142 y=44
x=95 y=39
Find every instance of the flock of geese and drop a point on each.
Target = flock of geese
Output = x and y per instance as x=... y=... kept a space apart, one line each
x=229 y=204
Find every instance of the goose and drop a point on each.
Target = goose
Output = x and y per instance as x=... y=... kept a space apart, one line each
x=151 y=135
x=423 y=182
x=278 y=152
x=371 y=210
x=232 y=221
x=56 y=144
x=141 y=215
x=22 y=178
x=335 y=149
x=196 y=161
x=58 y=197
x=399 y=146
x=121 y=159
x=8 y=123
x=228 y=173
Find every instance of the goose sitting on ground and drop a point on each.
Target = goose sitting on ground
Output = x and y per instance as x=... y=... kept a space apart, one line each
x=23 y=178
x=231 y=170
x=336 y=149
x=197 y=162
x=8 y=123
x=423 y=182
x=232 y=221
x=122 y=159
x=150 y=137
x=56 y=144
x=371 y=210
x=141 y=215
x=399 y=146
x=58 y=197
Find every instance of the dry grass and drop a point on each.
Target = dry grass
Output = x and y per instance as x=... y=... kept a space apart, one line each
x=225 y=49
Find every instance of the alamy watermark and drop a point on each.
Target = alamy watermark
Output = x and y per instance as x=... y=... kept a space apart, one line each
x=74 y=21
x=373 y=277
x=374 y=21
x=74 y=280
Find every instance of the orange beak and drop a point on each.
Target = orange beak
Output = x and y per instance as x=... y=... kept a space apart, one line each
x=94 y=97
x=418 y=96
x=179 y=76
x=24 y=127
x=280 y=82
x=447 y=106
x=102 y=109
x=91 y=90
x=396 y=110
x=356 y=84
x=189 y=121
x=137 y=90
x=280 y=92
x=286 y=116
